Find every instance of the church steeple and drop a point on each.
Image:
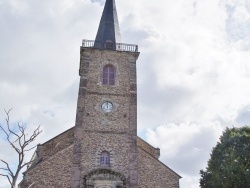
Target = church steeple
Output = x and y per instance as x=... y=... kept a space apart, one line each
x=108 y=32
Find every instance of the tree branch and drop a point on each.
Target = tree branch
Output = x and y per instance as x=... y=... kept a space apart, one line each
x=20 y=144
x=4 y=169
x=8 y=168
x=6 y=177
x=30 y=148
x=28 y=163
x=8 y=123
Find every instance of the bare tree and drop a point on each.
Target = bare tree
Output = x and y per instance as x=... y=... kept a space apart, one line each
x=21 y=142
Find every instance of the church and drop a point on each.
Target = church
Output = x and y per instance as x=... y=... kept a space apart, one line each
x=102 y=150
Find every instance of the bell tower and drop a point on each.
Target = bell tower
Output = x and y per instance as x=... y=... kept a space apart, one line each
x=105 y=134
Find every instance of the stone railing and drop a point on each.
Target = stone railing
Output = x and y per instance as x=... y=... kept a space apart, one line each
x=110 y=46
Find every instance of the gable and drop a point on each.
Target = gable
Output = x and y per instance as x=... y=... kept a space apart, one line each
x=153 y=173
x=66 y=139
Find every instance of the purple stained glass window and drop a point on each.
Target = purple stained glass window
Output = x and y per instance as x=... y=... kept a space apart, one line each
x=108 y=75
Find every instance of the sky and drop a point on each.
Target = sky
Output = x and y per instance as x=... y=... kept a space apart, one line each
x=193 y=71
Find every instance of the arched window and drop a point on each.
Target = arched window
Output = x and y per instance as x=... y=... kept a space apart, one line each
x=108 y=75
x=105 y=159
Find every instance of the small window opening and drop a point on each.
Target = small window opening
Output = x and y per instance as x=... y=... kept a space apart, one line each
x=109 y=44
x=105 y=159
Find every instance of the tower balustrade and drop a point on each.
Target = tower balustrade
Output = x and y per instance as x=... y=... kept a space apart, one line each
x=110 y=46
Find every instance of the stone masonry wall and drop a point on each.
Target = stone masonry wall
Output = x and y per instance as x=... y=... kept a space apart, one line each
x=155 y=152
x=96 y=130
x=56 y=144
x=154 y=174
x=54 y=172
x=116 y=144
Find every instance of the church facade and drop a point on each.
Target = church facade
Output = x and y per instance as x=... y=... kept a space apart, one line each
x=102 y=150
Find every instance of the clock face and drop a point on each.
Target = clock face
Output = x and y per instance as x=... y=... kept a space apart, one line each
x=107 y=106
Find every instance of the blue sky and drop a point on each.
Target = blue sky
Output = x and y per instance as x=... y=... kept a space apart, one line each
x=193 y=70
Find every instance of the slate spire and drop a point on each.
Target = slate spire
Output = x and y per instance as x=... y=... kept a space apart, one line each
x=108 y=31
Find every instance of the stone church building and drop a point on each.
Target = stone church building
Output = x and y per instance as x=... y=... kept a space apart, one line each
x=102 y=150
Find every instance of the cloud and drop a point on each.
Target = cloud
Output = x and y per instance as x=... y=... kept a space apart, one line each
x=210 y=71
x=244 y=116
x=192 y=144
x=238 y=23
x=98 y=1
x=193 y=70
x=194 y=81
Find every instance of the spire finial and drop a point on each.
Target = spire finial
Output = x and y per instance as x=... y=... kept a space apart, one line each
x=109 y=32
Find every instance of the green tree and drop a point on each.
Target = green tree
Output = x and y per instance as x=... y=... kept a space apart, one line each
x=229 y=165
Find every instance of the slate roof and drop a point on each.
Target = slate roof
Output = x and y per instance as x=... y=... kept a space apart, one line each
x=109 y=26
